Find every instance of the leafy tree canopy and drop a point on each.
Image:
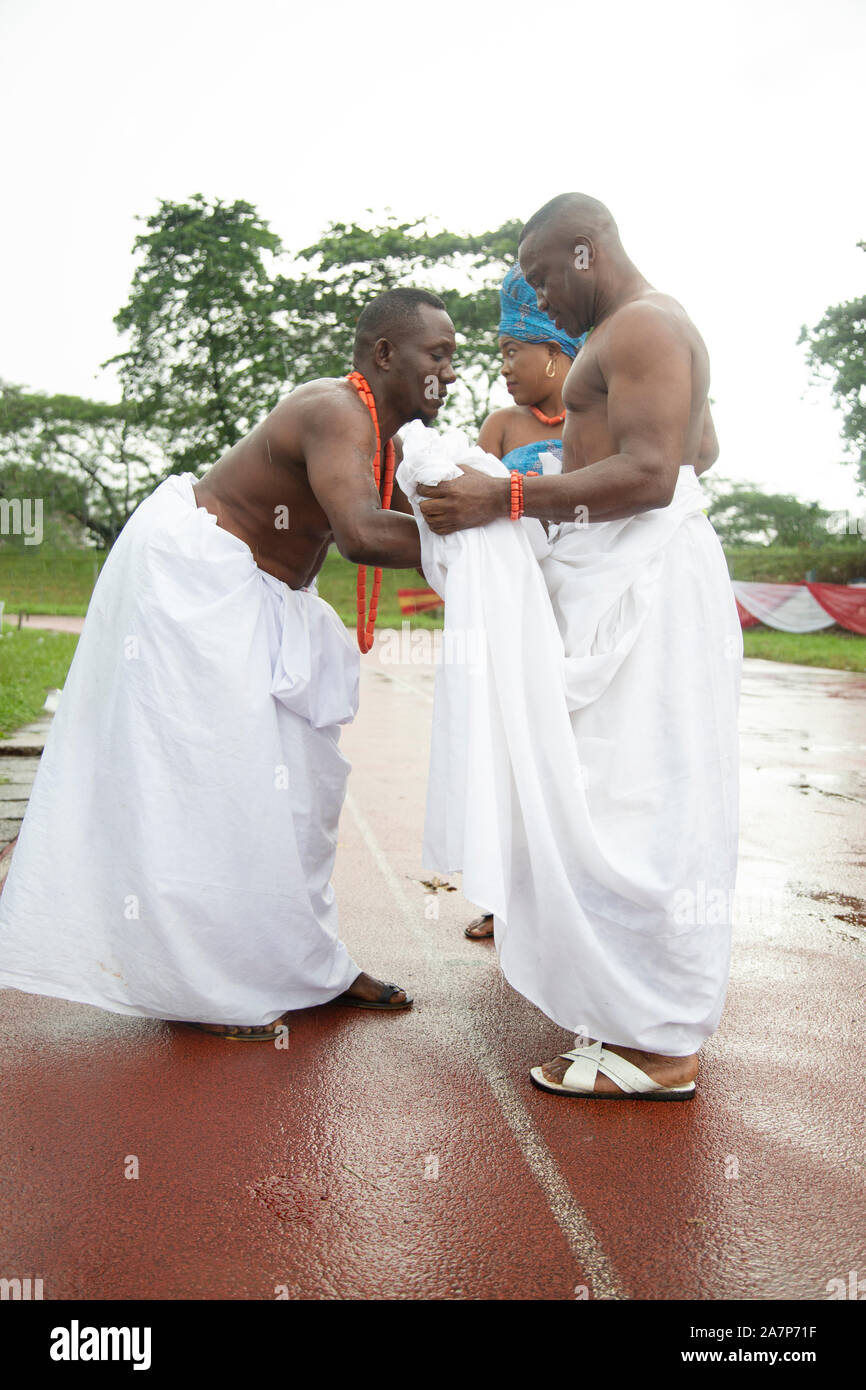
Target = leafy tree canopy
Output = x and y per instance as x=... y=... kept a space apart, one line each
x=836 y=350
x=744 y=515
x=89 y=461
x=219 y=324
x=350 y=264
x=205 y=354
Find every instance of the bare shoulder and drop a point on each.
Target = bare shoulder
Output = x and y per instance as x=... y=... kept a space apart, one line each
x=505 y=414
x=326 y=397
x=654 y=322
x=326 y=407
x=650 y=317
x=494 y=431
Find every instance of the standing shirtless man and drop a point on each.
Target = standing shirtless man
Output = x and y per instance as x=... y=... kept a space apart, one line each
x=637 y=413
x=176 y=855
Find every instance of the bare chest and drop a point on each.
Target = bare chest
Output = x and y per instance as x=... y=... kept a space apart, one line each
x=586 y=437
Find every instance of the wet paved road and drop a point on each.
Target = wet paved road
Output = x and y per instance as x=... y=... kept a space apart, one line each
x=408 y=1156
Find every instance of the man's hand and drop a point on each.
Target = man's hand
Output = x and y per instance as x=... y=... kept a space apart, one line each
x=472 y=500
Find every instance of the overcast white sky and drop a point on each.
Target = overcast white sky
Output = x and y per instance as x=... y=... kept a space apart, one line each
x=726 y=138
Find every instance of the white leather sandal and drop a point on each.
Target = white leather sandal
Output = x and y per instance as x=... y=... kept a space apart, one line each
x=587 y=1062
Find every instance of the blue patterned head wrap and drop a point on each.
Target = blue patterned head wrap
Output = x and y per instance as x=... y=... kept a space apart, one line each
x=521 y=317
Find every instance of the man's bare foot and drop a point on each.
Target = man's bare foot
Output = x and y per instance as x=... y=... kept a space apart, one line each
x=667 y=1071
x=481 y=929
x=232 y=1030
x=374 y=994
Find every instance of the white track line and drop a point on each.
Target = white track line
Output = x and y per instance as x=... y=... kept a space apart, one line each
x=567 y=1213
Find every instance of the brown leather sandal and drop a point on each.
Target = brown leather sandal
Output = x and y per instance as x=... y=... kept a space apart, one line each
x=382 y=1001
x=479 y=922
x=278 y=1029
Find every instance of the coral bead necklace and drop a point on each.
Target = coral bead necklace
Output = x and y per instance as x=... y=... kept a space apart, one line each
x=367 y=623
x=547 y=419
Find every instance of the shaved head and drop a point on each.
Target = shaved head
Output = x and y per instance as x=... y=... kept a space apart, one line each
x=575 y=213
x=571 y=255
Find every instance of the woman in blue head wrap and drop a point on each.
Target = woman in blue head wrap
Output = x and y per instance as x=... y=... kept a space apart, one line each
x=536 y=357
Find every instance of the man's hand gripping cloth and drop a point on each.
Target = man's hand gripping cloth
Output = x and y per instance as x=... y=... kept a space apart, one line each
x=584 y=755
x=176 y=854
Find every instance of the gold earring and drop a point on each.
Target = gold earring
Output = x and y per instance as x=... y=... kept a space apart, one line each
x=550 y=369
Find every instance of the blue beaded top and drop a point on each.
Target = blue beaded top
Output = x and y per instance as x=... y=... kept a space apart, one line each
x=526 y=457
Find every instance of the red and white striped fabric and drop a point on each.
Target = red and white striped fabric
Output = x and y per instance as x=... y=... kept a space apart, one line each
x=801 y=607
x=418 y=601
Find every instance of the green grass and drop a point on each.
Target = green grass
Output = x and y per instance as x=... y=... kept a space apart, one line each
x=41 y=580
x=31 y=664
x=337 y=581
x=38 y=580
x=842 y=651
x=61 y=582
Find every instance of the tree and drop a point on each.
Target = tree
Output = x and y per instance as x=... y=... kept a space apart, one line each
x=744 y=515
x=217 y=331
x=336 y=277
x=837 y=353
x=89 y=461
x=205 y=358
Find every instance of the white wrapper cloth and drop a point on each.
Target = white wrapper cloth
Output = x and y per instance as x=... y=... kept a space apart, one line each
x=584 y=761
x=176 y=855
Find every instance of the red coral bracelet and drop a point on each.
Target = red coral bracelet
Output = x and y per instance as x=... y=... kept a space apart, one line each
x=516 y=494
